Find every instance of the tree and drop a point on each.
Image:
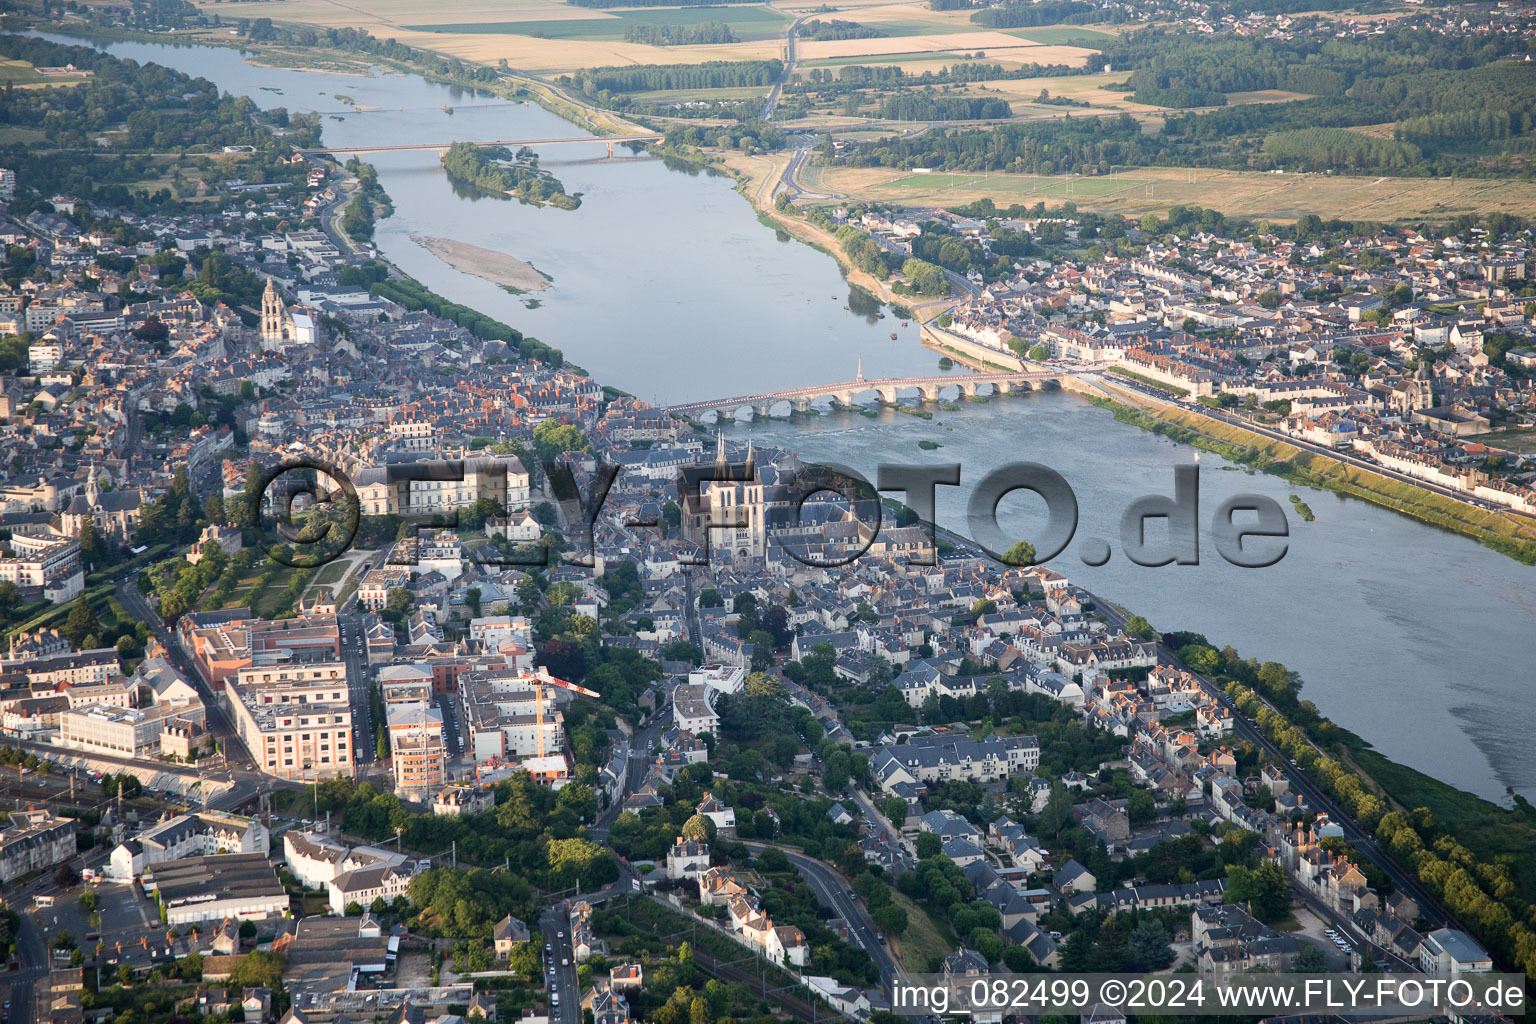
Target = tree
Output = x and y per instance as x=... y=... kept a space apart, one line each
x=1039 y=353
x=1020 y=553
x=699 y=828
x=91 y=548
x=1263 y=888
x=890 y=918
x=895 y=808
x=1018 y=960
x=260 y=970
x=1141 y=806
x=81 y=622
x=928 y=844
x=1309 y=959
x=1137 y=626
x=551 y=439
x=1149 y=945
x=524 y=959
x=1057 y=812
x=760 y=684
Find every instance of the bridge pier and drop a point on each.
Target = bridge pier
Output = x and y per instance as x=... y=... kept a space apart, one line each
x=761 y=410
x=724 y=414
x=968 y=388
x=799 y=406
x=610 y=150
x=930 y=392
x=1002 y=387
x=889 y=396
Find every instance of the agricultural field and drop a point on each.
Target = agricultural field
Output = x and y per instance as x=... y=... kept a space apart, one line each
x=486 y=32
x=747 y=21
x=707 y=95
x=551 y=38
x=1020 y=184
x=998 y=46
x=1139 y=190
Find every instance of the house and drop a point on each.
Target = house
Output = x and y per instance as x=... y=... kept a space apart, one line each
x=947 y=825
x=688 y=858
x=1108 y=820
x=257 y=1004
x=1448 y=951
x=509 y=932
x=717 y=811
x=963 y=852
x=1072 y=877
x=626 y=978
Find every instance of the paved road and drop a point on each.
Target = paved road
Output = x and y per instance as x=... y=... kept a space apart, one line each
x=831 y=890
x=789 y=65
x=554 y=925
x=354 y=653
x=219 y=723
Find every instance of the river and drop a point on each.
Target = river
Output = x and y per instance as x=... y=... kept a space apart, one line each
x=665 y=285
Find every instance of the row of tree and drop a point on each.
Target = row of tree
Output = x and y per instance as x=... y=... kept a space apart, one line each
x=705 y=33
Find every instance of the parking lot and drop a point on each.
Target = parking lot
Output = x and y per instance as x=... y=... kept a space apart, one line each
x=127 y=920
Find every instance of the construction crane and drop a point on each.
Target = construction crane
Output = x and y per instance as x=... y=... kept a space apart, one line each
x=542 y=679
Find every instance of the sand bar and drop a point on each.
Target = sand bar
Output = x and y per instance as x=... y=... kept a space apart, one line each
x=496 y=267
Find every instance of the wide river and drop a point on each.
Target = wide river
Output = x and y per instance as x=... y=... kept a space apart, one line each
x=666 y=285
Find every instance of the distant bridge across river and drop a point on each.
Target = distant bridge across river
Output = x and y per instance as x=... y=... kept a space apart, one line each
x=442 y=147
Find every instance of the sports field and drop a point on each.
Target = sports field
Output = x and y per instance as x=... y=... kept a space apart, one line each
x=1139 y=190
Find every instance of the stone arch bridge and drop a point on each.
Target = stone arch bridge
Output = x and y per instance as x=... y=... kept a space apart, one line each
x=888 y=391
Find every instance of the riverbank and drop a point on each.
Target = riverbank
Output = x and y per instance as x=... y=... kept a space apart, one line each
x=499 y=268
x=757 y=183
x=1471 y=855
x=1500 y=532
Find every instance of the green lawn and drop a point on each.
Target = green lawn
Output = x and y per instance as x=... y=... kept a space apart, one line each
x=267 y=599
x=1523 y=441
x=1061 y=35
x=19 y=72
x=332 y=573
x=925 y=939
x=750 y=21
